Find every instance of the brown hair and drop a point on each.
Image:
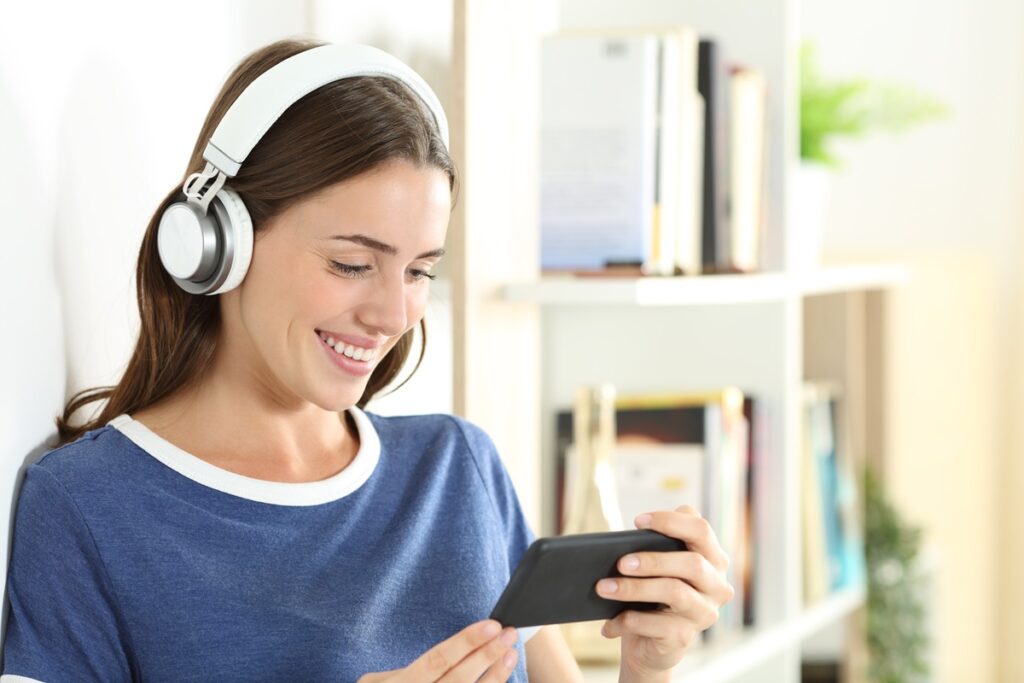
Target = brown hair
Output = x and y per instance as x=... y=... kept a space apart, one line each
x=338 y=131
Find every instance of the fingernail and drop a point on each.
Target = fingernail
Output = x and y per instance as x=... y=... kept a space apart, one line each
x=607 y=585
x=509 y=636
x=643 y=521
x=491 y=629
x=630 y=562
x=510 y=658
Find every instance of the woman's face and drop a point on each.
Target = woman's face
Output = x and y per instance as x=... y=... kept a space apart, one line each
x=350 y=264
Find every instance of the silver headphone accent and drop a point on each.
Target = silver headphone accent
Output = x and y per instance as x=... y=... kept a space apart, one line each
x=209 y=252
x=183 y=228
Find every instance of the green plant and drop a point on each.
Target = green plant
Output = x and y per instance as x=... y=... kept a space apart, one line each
x=895 y=610
x=836 y=108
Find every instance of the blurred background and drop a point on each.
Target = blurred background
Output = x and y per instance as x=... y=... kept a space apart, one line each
x=917 y=287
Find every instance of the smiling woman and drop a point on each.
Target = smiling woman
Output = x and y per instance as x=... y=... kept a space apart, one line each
x=232 y=512
x=319 y=153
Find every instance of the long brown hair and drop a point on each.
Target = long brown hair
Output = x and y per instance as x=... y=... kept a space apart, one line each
x=338 y=131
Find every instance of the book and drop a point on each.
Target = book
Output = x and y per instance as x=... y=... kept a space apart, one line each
x=847 y=562
x=833 y=531
x=757 y=433
x=815 y=572
x=599 y=146
x=689 y=241
x=712 y=83
x=747 y=134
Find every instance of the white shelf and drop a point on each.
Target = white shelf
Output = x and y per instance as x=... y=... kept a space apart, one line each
x=731 y=657
x=568 y=290
x=850 y=278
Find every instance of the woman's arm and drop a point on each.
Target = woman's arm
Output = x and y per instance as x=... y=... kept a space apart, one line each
x=548 y=658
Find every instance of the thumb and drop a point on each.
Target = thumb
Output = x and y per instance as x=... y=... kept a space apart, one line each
x=376 y=677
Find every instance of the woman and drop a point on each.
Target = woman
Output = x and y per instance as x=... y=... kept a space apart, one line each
x=232 y=512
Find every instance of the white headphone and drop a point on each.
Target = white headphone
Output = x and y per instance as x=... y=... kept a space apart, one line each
x=210 y=254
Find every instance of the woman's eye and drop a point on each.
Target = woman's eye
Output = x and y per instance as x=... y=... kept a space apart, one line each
x=361 y=271
x=350 y=271
x=420 y=274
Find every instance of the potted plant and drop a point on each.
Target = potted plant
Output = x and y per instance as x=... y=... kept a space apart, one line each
x=832 y=109
x=897 y=632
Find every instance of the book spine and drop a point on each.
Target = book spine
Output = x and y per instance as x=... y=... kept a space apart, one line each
x=711 y=83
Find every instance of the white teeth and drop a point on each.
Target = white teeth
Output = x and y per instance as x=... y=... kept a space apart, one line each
x=353 y=352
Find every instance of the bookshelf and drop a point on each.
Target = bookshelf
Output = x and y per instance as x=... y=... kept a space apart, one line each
x=784 y=330
x=742 y=329
x=766 y=333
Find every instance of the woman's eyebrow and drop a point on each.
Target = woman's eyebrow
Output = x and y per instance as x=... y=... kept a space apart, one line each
x=372 y=243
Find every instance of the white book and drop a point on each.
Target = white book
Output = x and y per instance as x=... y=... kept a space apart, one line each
x=747 y=99
x=669 y=163
x=690 y=239
x=599 y=107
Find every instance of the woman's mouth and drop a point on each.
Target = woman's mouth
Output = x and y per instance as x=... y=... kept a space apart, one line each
x=354 y=359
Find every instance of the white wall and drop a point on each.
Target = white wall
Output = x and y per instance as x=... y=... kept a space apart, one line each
x=951 y=187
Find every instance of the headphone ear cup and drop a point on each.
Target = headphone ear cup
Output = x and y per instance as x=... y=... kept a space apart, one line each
x=239 y=225
x=187 y=242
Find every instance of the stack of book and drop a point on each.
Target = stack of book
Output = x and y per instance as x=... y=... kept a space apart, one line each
x=698 y=449
x=652 y=154
x=833 y=539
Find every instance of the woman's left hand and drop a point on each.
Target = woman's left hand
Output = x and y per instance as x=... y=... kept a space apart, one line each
x=690 y=585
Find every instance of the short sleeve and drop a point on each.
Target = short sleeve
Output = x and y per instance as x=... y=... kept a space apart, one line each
x=64 y=623
x=492 y=469
x=502 y=491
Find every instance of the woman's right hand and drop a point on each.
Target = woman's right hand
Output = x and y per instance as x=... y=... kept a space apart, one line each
x=480 y=648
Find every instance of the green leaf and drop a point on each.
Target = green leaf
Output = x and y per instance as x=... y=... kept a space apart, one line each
x=850 y=108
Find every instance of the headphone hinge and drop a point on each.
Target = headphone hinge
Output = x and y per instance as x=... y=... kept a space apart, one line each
x=195 y=186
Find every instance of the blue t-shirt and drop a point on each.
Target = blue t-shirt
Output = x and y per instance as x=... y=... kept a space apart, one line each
x=134 y=559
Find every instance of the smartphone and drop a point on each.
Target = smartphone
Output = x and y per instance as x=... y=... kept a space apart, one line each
x=555 y=580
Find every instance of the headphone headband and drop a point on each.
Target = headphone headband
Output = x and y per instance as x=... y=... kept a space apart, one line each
x=276 y=89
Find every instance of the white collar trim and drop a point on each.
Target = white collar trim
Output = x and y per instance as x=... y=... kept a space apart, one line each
x=261 y=490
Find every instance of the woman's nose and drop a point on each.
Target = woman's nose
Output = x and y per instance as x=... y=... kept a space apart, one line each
x=385 y=310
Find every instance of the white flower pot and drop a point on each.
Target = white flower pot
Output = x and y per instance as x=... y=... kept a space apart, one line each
x=810 y=194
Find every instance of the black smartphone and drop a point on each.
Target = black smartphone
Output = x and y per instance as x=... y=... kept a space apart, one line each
x=555 y=580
